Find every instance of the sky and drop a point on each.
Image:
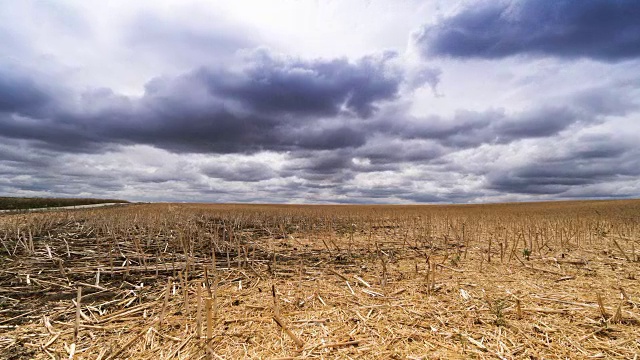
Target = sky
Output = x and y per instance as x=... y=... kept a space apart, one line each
x=320 y=101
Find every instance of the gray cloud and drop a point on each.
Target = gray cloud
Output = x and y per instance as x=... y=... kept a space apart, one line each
x=471 y=128
x=320 y=87
x=321 y=167
x=605 y=30
x=245 y=171
x=21 y=94
x=589 y=160
x=426 y=76
x=540 y=123
x=389 y=152
x=270 y=104
x=328 y=147
x=190 y=105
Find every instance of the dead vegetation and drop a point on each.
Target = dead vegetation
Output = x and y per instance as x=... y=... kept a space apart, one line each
x=544 y=280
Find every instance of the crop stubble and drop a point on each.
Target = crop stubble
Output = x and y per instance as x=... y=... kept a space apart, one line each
x=190 y=281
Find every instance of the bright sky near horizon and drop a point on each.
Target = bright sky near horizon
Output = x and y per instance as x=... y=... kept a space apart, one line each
x=313 y=101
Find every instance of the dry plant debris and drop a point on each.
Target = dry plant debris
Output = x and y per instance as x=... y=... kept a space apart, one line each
x=184 y=281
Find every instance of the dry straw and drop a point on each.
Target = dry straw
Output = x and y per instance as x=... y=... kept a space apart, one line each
x=163 y=281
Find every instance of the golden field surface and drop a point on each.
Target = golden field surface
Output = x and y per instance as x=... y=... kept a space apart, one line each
x=552 y=280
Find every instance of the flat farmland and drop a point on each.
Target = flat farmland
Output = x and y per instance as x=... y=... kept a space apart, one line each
x=551 y=280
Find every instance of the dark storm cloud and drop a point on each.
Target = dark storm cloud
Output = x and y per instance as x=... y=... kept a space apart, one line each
x=468 y=129
x=591 y=161
x=320 y=87
x=249 y=171
x=319 y=137
x=618 y=99
x=271 y=104
x=604 y=150
x=339 y=165
x=387 y=153
x=606 y=30
x=335 y=166
x=539 y=123
x=425 y=198
x=22 y=156
x=21 y=94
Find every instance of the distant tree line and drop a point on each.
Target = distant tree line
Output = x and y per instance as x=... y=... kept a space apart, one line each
x=22 y=203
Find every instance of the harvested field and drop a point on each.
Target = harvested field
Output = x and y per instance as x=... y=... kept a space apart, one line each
x=162 y=281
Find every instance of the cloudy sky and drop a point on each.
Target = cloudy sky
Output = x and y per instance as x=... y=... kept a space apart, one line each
x=321 y=100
